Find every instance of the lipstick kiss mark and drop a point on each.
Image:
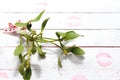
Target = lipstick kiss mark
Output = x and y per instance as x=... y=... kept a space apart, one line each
x=73 y=21
x=41 y=6
x=79 y=77
x=3 y=75
x=104 y=59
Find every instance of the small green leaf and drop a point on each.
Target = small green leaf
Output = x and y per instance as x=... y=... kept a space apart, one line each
x=33 y=49
x=76 y=50
x=21 y=68
x=41 y=53
x=44 y=23
x=19 y=49
x=28 y=74
x=20 y=24
x=59 y=62
x=60 y=34
x=21 y=58
x=37 y=18
x=29 y=25
x=70 y=35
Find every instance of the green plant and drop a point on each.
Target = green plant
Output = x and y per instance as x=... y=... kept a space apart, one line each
x=32 y=44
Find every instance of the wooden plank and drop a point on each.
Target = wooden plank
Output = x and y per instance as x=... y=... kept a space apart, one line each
x=66 y=20
x=98 y=64
x=61 y=75
x=60 y=6
x=95 y=58
x=91 y=38
x=97 y=20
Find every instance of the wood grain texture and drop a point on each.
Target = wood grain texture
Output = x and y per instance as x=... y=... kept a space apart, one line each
x=97 y=20
x=91 y=38
x=60 y=5
x=45 y=69
x=66 y=20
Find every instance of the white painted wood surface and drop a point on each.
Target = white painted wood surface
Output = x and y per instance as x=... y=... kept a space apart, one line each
x=60 y=5
x=97 y=20
x=67 y=20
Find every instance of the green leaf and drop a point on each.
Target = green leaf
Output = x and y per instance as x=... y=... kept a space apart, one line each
x=19 y=49
x=60 y=34
x=28 y=74
x=44 y=23
x=70 y=35
x=76 y=50
x=33 y=49
x=41 y=53
x=59 y=62
x=21 y=68
x=20 y=58
x=29 y=25
x=37 y=18
x=20 y=24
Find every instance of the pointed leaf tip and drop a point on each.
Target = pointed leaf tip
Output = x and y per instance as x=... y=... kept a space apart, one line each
x=38 y=17
x=44 y=24
x=59 y=62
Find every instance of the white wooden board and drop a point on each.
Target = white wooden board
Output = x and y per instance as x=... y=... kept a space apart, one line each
x=97 y=20
x=60 y=5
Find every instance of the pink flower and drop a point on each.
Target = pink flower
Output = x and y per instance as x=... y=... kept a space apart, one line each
x=11 y=29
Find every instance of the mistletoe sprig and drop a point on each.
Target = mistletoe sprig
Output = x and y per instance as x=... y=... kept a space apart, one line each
x=32 y=44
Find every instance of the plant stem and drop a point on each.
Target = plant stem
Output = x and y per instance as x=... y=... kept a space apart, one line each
x=20 y=39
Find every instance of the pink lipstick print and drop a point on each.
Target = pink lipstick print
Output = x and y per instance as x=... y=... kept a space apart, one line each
x=104 y=59
x=41 y=6
x=73 y=21
x=79 y=77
